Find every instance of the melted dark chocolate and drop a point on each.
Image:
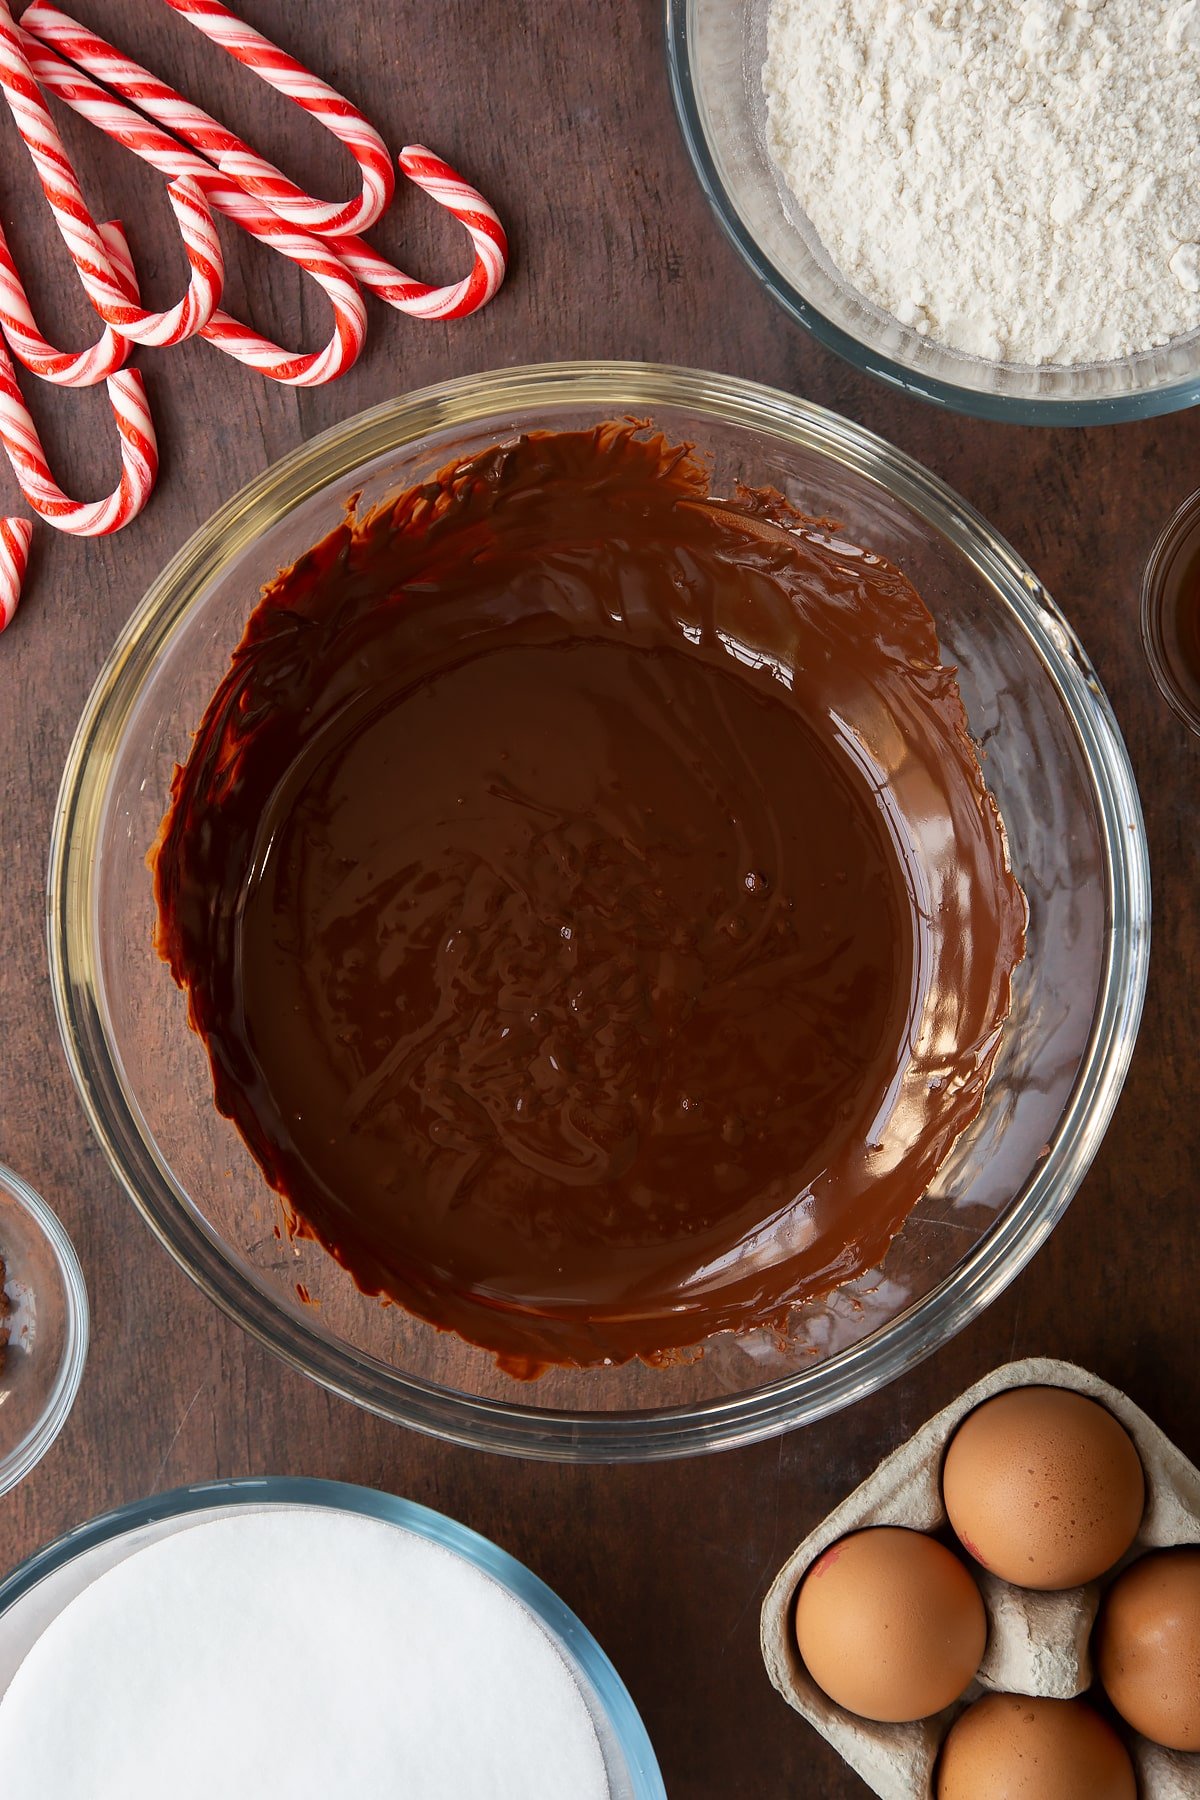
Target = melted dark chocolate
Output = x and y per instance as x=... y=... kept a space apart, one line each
x=590 y=901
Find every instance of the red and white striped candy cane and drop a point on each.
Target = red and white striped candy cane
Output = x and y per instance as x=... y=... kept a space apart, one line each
x=82 y=47
x=472 y=211
x=121 y=257
x=79 y=230
x=251 y=171
x=139 y=457
x=148 y=141
x=16 y=537
x=65 y=368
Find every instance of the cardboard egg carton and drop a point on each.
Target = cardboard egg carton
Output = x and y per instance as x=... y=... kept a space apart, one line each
x=1038 y=1643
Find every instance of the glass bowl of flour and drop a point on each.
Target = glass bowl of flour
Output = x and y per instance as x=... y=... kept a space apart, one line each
x=994 y=207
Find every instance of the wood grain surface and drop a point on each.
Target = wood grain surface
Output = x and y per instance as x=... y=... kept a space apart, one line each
x=561 y=114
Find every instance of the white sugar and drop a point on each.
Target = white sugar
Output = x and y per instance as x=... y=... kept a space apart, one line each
x=297 y=1654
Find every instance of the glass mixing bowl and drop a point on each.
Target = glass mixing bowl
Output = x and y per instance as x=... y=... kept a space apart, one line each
x=1053 y=757
x=716 y=50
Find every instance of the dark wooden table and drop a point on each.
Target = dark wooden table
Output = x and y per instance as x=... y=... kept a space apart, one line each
x=561 y=114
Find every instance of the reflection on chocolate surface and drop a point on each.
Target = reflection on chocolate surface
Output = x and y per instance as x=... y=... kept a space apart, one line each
x=590 y=901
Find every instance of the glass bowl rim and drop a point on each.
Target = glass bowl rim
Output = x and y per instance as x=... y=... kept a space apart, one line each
x=1184 y=523
x=1010 y=409
x=424 y=1522
x=501 y=1425
x=25 y=1455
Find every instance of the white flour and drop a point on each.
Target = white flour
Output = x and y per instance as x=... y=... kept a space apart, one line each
x=1019 y=179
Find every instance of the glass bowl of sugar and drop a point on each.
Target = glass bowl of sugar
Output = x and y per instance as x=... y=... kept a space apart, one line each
x=433 y=1662
x=996 y=211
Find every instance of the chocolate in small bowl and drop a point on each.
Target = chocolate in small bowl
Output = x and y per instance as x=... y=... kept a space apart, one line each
x=589 y=898
x=43 y=1328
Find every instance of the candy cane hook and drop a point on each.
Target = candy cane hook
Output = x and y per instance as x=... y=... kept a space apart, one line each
x=472 y=211
x=16 y=535
x=79 y=230
x=139 y=457
x=253 y=172
x=65 y=368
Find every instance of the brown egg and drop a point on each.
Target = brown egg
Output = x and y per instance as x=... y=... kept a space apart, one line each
x=1043 y=1487
x=1148 y=1651
x=890 y=1624
x=1008 y=1747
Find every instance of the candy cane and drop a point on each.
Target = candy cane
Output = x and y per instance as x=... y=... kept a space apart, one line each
x=241 y=164
x=85 y=368
x=79 y=230
x=153 y=145
x=435 y=177
x=16 y=536
x=472 y=211
x=164 y=153
x=139 y=457
x=120 y=256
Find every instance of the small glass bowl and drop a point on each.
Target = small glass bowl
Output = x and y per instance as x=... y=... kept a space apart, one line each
x=1174 y=557
x=48 y=1329
x=33 y=1595
x=715 y=52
